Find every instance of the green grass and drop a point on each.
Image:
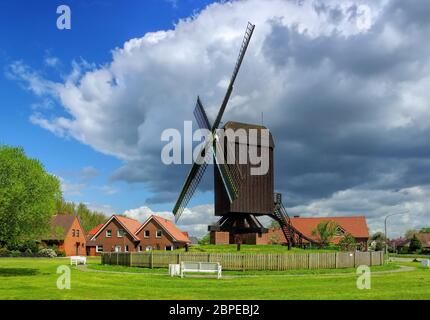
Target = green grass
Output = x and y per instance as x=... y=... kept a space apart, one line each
x=399 y=255
x=164 y=271
x=35 y=278
x=252 y=249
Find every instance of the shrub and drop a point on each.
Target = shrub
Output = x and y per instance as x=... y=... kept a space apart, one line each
x=347 y=243
x=415 y=245
x=4 y=252
x=49 y=253
x=15 y=253
x=60 y=253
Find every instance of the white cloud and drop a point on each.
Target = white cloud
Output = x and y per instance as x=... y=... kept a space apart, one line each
x=71 y=189
x=343 y=86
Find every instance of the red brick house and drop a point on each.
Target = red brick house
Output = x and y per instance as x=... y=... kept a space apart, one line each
x=355 y=225
x=122 y=234
x=67 y=234
x=161 y=234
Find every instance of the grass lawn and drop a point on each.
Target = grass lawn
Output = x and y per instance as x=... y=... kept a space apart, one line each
x=244 y=248
x=35 y=278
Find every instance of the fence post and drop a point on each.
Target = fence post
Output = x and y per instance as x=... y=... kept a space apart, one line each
x=131 y=259
x=179 y=257
x=309 y=260
x=152 y=259
x=117 y=258
x=370 y=258
x=335 y=260
x=243 y=262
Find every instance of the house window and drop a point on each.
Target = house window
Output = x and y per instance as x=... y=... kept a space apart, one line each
x=120 y=233
x=73 y=232
x=158 y=234
x=139 y=248
x=169 y=248
x=99 y=249
x=126 y=248
x=77 y=232
x=146 y=234
x=108 y=233
x=117 y=248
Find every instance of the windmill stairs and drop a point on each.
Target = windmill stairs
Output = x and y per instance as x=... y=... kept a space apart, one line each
x=293 y=236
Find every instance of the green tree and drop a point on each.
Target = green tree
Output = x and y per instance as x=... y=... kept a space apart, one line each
x=347 y=243
x=27 y=197
x=89 y=219
x=415 y=245
x=410 y=233
x=378 y=239
x=274 y=224
x=325 y=231
x=205 y=240
x=425 y=230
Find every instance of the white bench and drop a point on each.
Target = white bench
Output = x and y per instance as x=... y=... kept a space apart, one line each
x=201 y=267
x=75 y=260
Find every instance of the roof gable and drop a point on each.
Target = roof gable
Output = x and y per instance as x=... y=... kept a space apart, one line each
x=169 y=227
x=129 y=225
x=60 y=226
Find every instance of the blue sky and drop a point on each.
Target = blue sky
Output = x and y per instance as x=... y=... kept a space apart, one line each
x=343 y=85
x=29 y=33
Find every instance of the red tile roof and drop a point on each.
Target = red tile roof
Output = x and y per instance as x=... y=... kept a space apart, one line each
x=171 y=228
x=94 y=230
x=60 y=225
x=131 y=224
x=355 y=225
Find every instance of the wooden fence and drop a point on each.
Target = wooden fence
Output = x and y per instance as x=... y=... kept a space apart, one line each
x=238 y=261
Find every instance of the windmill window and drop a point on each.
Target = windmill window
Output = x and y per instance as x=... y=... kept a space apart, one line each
x=158 y=234
x=108 y=233
x=73 y=232
x=77 y=232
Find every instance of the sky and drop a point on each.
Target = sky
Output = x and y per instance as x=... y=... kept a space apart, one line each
x=343 y=87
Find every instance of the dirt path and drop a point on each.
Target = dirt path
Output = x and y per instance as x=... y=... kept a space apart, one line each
x=84 y=268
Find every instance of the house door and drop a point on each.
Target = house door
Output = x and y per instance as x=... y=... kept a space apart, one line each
x=117 y=248
x=77 y=248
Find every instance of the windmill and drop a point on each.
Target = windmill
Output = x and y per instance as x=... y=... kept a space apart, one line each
x=239 y=196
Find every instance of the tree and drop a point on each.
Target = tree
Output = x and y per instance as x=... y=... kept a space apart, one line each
x=89 y=219
x=410 y=233
x=347 y=243
x=425 y=230
x=205 y=240
x=378 y=239
x=325 y=231
x=274 y=224
x=415 y=245
x=27 y=197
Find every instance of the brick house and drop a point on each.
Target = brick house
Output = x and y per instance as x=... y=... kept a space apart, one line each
x=67 y=234
x=122 y=234
x=161 y=234
x=355 y=225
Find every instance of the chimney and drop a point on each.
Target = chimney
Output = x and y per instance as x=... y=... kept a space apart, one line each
x=297 y=216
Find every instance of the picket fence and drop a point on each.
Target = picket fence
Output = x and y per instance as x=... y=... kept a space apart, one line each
x=238 y=261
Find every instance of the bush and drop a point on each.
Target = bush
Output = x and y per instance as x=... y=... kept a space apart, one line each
x=4 y=252
x=15 y=253
x=415 y=245
x=60 y=253
x=49 y=253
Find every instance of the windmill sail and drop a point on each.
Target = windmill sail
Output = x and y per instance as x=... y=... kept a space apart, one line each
x=228 y=175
